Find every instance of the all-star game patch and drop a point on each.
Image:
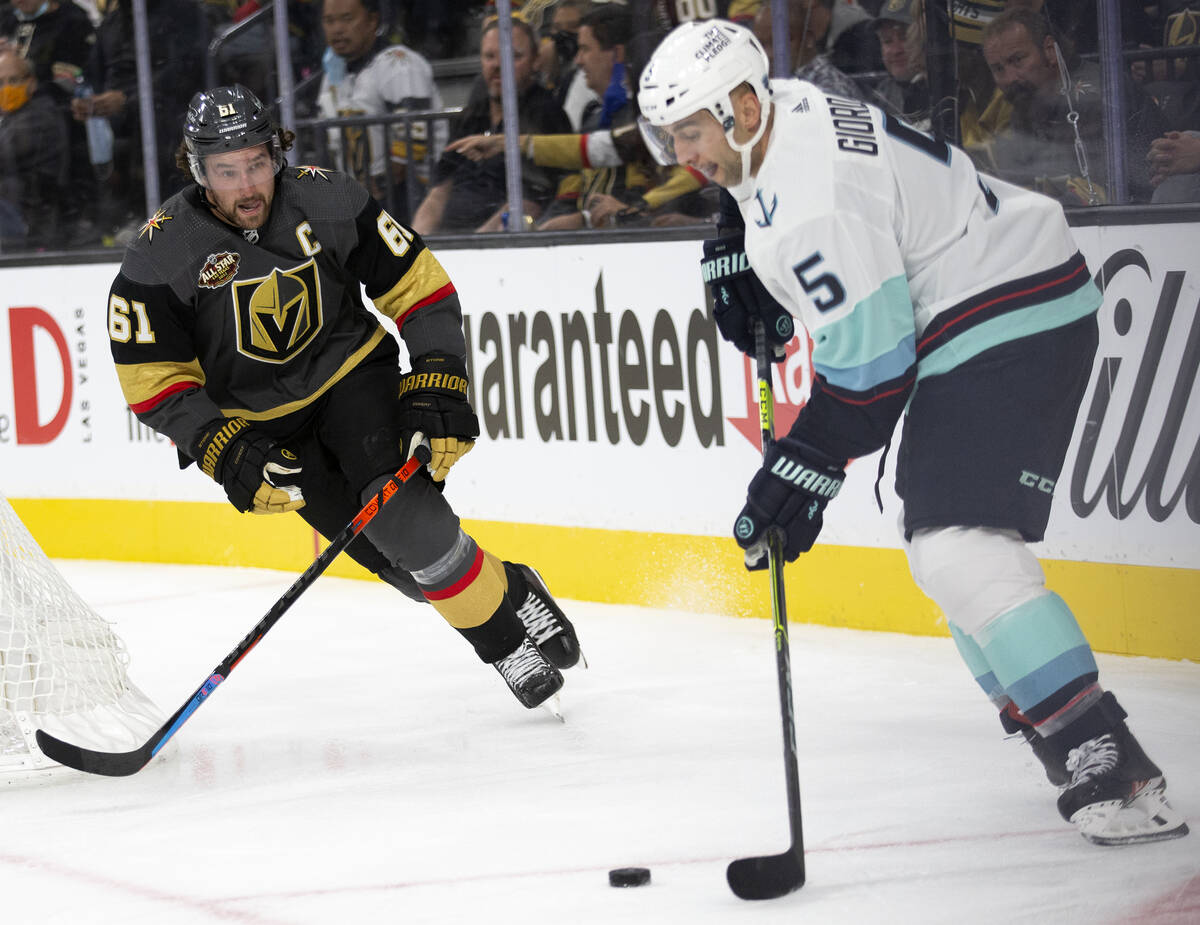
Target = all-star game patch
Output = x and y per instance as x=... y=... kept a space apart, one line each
x=219 y=269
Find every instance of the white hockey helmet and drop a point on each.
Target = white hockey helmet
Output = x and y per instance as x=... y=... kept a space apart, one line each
x=695 y=68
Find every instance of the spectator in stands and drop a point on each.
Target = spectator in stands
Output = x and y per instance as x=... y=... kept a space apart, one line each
x=1175 y=167
x=33 y=158
x=850 y=42
x=1037 y=148
x=634 y=190
x=365 y=74
x=906 y=86
x=472 y=195
x=669 y=202
x=809 y=23
x=177 y=32
x=248 y=57
x=556 y=61
x=56 y=38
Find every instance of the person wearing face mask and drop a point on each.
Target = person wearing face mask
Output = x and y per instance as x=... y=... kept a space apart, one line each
x=556 y=61
x=33 y=158
x=55 y=37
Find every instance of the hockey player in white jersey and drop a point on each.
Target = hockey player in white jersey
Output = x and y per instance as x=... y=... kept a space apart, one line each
x=954 y=299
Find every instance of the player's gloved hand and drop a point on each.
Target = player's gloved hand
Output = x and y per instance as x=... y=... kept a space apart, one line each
x=433 y=402
x=257 y=474
x=740 y=299
x=788 y=495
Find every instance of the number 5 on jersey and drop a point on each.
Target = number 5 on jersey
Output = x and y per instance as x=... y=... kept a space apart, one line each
x=827 y=283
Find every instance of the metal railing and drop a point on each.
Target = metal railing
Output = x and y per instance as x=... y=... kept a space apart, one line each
x=314 y=139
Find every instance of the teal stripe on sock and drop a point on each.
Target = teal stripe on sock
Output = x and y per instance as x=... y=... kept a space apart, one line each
x=1035 y=649
x=977 y=664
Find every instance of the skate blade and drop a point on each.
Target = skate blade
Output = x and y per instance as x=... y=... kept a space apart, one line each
x=553 y=706
x=1147 y=817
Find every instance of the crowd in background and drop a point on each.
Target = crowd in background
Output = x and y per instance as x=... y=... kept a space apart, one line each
x=405 y=95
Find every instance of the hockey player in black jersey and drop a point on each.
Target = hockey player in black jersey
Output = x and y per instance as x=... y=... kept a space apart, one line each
x=238 y=331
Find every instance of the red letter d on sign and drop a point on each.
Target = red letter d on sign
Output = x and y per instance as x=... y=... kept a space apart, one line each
x=21 y=324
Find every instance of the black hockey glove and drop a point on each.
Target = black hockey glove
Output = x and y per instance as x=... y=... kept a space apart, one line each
x=787 y=495
x=740 y=299
x=433 y=402
x=256 y=473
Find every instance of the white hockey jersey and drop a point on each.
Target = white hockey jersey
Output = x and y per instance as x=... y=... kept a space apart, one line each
x=395 y=79
x=899 y=258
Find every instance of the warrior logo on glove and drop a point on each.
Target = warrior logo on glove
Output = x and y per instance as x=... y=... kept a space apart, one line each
x=433 y=402
x=740 y=300
x=787 y=497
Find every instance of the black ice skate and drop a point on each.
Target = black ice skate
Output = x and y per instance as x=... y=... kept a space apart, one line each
x=1117 y=795
x=1053 y=759
x=529 y=675
x=544 y=620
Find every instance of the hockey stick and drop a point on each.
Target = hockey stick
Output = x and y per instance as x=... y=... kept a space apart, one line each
x=122 y=764
x=775 y=875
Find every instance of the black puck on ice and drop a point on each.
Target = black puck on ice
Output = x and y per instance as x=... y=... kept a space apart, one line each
x=629 y=876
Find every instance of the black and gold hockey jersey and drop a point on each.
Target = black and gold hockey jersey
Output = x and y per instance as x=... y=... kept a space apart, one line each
x=206 y=320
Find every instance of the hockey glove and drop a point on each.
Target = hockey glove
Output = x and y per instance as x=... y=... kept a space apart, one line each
x=787 y=496
x=740 y=299
x=433 y=402
x=256 y=473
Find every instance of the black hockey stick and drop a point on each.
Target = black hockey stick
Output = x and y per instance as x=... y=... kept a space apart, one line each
x=775 y=875
x=122 y=764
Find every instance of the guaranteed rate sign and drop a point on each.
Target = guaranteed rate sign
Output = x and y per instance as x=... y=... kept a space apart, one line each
x=597 y=375
x=607 y=399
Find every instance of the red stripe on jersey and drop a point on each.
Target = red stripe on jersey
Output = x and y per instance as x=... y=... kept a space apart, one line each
x=151 y=403
x=445 y=291
x=697 y=175
x=845 y=399
x=583 y=139
x=459 y=586
x=1050 y=284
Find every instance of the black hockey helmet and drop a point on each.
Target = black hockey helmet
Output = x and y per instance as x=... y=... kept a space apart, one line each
x=226 y=119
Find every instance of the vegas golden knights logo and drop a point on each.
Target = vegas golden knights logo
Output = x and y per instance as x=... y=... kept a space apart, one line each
x=278 y=315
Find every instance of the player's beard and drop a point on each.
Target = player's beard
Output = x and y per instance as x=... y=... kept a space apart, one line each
x=231 y=215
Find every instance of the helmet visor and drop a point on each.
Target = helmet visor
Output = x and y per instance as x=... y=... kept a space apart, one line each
x=659 y=142
x=235 y=170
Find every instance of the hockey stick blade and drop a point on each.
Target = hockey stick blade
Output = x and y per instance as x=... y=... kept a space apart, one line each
x=767 y=877
x=122 y=764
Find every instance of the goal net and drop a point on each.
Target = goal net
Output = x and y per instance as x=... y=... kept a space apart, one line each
x=62 y=668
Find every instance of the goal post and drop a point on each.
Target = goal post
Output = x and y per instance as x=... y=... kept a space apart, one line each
x=62 y=667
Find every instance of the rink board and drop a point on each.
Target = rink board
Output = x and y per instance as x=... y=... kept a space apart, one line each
x=619 y=433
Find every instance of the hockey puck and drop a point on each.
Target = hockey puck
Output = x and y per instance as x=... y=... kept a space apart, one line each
x=629 y=876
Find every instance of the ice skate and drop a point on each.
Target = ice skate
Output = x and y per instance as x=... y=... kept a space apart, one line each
x=1117 y=795
x=544 y=620
x=1053 y=759
x=529 y=675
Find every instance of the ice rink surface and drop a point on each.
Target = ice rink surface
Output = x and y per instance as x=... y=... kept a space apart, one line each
x=361 y=766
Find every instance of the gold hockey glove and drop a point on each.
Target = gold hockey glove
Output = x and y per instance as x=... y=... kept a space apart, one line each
x=257 y=474
x=433 y=401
